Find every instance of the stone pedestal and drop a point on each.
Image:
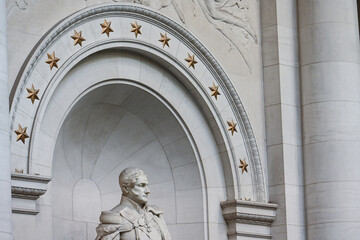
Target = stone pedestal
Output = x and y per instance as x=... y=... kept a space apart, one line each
x=248 y=220
x=330 y=73
x=5 y=186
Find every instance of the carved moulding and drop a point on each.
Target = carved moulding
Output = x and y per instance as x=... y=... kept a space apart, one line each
x=239 y=214
x=25 y=190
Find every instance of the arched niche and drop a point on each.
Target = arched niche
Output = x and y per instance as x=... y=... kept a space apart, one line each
x=162 y=73
x=114 y=126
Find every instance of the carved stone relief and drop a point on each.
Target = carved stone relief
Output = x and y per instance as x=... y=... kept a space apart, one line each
x=229 y=17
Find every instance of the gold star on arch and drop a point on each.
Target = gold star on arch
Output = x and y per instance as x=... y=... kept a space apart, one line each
x=214 y=90
x=106 y=27
x=52 y=60
x=135 y=28
x=78 y=39
x=164 y=39
x=191 y=60
x=247 y=199
x=243 y=166
x=19 y=171
x=33 y=93
x=232 y=127
x=21 y=134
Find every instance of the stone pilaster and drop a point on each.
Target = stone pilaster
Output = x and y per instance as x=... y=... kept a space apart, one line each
x=5 y=179
x=283 y=117
x=330 y=86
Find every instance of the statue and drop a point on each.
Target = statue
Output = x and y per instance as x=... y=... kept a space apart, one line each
x=133 y=219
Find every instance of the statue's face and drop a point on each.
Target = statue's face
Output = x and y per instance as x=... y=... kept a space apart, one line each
x=140 y=192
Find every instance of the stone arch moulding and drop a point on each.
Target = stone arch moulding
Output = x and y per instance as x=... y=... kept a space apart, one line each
x=36 y=155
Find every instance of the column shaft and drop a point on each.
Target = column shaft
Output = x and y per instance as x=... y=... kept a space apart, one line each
x=330 y=92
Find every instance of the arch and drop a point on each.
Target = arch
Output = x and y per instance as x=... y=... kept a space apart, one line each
x=208 y=70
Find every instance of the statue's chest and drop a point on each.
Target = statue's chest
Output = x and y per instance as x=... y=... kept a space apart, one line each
x=144 y=229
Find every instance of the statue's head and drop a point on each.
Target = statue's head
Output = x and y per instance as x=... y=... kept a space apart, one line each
x=134 y=185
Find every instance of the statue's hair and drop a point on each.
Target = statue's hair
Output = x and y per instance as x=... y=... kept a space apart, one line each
x=128 y=177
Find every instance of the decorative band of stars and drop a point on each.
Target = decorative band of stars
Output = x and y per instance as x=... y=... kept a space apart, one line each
x=136 y=29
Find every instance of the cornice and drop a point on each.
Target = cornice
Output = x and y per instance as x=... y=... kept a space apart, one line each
x=248 y=212
x=248 y=218
x=235 y=203
x=26 y=193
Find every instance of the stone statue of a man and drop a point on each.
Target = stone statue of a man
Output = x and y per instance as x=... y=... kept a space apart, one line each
x=133 y=219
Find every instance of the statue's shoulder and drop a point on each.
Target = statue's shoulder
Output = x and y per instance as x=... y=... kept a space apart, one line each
x=112 y=224
x=155 y=210
x=113 y=216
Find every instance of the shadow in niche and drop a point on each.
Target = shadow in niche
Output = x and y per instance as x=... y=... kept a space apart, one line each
x=111 y=128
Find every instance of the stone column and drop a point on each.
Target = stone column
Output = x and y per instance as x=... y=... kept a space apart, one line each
x=330 y=105
x=5 y=179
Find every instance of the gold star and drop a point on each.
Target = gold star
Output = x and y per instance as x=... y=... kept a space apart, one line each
x=135 y=28
x=106 y=27
x=243 y=166
x=232 y=127
x=52 y=60
x=21 y=134
x=191 y=60
x=247 y=199
x=164 y=39
x=214 y=91
x=78 y=39
x=33 y=93
x=19 y=171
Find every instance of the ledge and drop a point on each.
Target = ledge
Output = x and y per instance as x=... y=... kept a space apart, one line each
x=239 y=214
x=30 y=177
x=25 y=190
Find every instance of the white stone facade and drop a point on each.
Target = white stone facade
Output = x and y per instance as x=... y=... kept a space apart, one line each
x=288 y=74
